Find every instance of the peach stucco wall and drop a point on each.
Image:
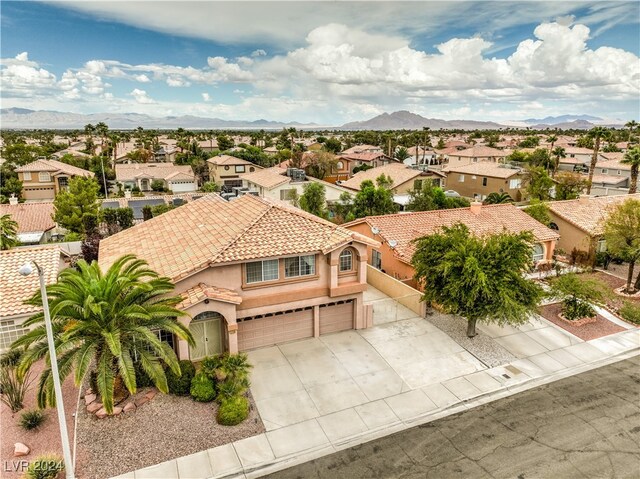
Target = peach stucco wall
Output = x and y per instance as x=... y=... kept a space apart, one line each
x=570 y=236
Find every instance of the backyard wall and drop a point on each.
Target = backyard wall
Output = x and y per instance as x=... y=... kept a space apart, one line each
x=404 y=294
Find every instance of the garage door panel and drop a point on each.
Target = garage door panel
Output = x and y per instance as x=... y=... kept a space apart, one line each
x=337 y=317
x=261 y=332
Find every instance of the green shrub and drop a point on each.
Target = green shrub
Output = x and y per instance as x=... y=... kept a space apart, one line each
x=32 y=419
x=13 y=388
x=202 y=388
x=142 y=378
x=10 y=358
x=233 y=411
x=574 y=309
x=48 y=466
x=180 y=385
x=630 y=312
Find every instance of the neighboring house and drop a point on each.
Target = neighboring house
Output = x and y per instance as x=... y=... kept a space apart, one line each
x=478 y=180
x=611 y=177
x=421 y=156
x=404 y=178
x=584 y=155
x=581 y=222
x=347 y=162
x=475 y=154
x=225 y=170
x=16 y=289
x=279 y=184
x=43 y=179
x=459 y=144
x=397 y=232
x=270 y=150
x=35 y=220
x=362 y=149
x=177 y=178
x=138 y=203
x=252 y=273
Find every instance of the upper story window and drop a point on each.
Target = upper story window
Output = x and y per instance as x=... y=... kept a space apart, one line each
x=604 y=171
x=299 y=266
x=44 y=177
x=26 y=176
x=239 y=168
x=514 y=184
x=346 y=260
x=484 y=181
x=259 y=271
x=376 y=259
x=340 y=165
x=461 y=178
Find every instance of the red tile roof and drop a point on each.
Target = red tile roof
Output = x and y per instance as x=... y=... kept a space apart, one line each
x=55 y=167
x=203 y=291
x=588 y=213
x=31 y=217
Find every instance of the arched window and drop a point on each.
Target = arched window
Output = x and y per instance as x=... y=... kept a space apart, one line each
x=346 y=260
x=538 y=253
x=553 y=226
x=340 y=165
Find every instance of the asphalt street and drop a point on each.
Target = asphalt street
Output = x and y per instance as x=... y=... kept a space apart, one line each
x=584 y=426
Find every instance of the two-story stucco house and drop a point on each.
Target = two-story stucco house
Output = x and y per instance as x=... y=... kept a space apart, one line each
x=476 y=153
x=252 y=273
x=403 y=177
x=225 y=170
x=43 y=179
x=478 y=180
x=177 y=178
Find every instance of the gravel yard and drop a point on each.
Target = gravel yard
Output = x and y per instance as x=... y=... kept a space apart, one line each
x=165 y=428
x=482 y=346
x=602 y=327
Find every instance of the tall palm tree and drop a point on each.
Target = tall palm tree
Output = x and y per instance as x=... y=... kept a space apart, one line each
x=551 y=139
x=598 y=133
x=8 y=232
x=632 y=157
x=103 y=322
x=558 y=152
x=632 y=125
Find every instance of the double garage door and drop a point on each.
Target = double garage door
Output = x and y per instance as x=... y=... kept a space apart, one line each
x=269 y=329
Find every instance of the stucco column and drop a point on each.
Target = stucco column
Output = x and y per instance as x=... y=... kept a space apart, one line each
x=316 y=321
x=183 y=346
x=232 y=336
x=362 y=269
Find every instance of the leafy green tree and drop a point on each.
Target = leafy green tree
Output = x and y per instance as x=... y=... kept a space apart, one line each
x=585 y=141
x=517 y=156
x=558 y=153
x=210 y=187
x=577 y=294
x=541 y=157
x=551 y=139
x=343 y=208
x=225 y=142
x=478 y=278
x=530 y=142
x=158 y=210
x=539 y=183
x=497 y=198
x=157 y=185
x=313 y=199
x=375 y=199
x=147 y=213
x=333 y=145
x=539 y=211
x=597 y=133
x=320 y=164
x=632 y=158
x=632 y=125
x=569 y=185
x=402 y=154
x=429 y=197
x=8 y=232
x=12 y=187
x=441 y=144
x=102 y=322
x=125 y=218
x=362 y=167
x=80 y=199
x=622 y=235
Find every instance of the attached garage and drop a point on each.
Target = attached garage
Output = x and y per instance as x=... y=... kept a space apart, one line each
x=336 y=317
x=269 y=329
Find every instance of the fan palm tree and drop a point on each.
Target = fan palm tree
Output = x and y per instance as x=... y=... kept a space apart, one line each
x=551 y=139
x=102 y=322
x=632 y=125
x=632 y=158
x=8 y=232
x=598 y=134
x=497 y=198
x=558 y=152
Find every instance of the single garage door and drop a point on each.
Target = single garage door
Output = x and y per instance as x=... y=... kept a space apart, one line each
x=270 y=329
x=336 y=317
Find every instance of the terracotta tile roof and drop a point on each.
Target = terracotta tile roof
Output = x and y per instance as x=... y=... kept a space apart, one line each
x=213 y=231
x=366 y=157
x=360 y=149
x=608 y=179
x=267 y=178
x=576 y=150
x=588 y=213
x=55 y=167
x=613 y=161
x=229 y=160
x=405 y=227
x=15 y=288
x=484 y=168
x=479 y=151
x=31 y=217
x=398 y=172
x=452 y=150
x=129 y=172
x=203 y=291
x=456 y=144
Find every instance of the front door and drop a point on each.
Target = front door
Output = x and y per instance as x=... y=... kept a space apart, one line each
x=206 y=334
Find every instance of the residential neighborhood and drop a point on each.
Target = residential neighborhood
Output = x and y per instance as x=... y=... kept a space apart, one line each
x=263 y=239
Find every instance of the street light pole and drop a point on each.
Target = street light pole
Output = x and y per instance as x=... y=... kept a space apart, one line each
x=64 y=435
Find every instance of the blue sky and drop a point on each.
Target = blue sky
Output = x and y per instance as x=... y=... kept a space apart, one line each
x=323 y=62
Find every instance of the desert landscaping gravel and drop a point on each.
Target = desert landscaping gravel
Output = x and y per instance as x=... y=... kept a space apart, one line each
x=601 y=327
x=482 y=346
x=165 y=428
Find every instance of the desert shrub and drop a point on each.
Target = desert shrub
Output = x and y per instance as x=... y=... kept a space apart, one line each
x=47 y=466
x=142 y=378
x=573 y=309
x=577 y=293
x=202 y=388
x=233 y=411
x=630 y=312
x=181 y=385
x=32 y=419
x=13 y=387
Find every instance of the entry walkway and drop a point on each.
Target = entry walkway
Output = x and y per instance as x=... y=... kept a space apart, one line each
x=321 y=395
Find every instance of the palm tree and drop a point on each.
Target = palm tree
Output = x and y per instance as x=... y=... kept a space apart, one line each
x=551 y=139
x=558 y=152
x=497 y=198
x=8 y=232
x=632 y=157
x=632 y=125
x=402 y=154
x=103 y=322
x=598 y=133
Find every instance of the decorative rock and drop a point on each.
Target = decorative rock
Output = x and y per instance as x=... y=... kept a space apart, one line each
x=88 y=392
x=101 y=413
x=20 y=449
x=141 y=401
x=151 y=394
x=130 y=406
x=117 y=410
x=89 y=398
x=94 y=406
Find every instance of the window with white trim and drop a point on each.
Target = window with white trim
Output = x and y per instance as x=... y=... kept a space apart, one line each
x=239 y=168
x=44 y=177
x=461 y=178
x=259 y=271
x=346 y=260
x=538 y=253
x=601 y=246
x=376 y=259
x=300 y=266
x=515 y=184
x=26 y=176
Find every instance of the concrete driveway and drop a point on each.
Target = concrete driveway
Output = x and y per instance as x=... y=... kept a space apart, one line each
x=306 y=379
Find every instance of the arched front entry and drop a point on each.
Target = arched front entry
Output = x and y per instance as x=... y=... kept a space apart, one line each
x=206 y=329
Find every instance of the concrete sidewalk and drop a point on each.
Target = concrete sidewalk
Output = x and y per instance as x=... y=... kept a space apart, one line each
x=323 y=434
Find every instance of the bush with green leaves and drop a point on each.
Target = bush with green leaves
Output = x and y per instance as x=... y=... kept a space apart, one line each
x=13 y=386
x=630 y=312
x=142 y=378
x=202 y=388
x=577 y=293
x=47 y=466
x=181 y=385
x=574 y=309
x=229 y=371
x=32 y=419
x=10 y=358
x=233 y=411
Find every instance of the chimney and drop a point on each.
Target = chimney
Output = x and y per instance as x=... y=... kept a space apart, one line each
x=127 y=193
x=13 y=200
x=476 y=207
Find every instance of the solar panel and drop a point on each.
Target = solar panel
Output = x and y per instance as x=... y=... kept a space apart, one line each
x=137 y=205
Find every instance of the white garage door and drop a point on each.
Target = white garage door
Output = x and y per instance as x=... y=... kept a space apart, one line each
x=267 y=330
x=336 y=317
x=187 y=186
